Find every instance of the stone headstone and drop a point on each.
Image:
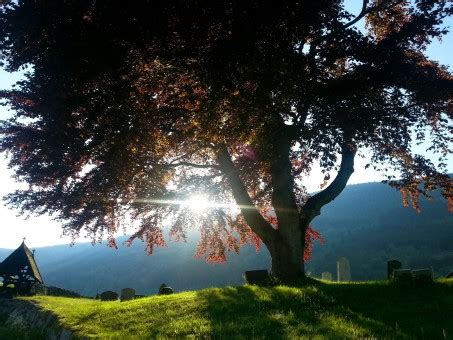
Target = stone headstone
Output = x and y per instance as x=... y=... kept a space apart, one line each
x=343 y=270
x=449 y=275
x=127 y=294
x=327 y=276
x=391 y=266
x=402 y=276
x=422 y=276
x=165 y=290
x=109 y=296
x=254 y=277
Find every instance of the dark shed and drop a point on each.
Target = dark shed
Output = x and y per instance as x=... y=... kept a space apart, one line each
x=20 y=269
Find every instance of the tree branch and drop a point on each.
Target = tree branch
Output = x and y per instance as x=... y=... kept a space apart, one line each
x=251 y=214
x=382 y=6
x=365 y=11
x=314 y=204
x=298 y=125
x=362 y=13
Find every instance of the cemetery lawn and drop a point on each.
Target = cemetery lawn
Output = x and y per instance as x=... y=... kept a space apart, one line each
x=327 y=310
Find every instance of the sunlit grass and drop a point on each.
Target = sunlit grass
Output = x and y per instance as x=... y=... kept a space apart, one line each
x=325 y=310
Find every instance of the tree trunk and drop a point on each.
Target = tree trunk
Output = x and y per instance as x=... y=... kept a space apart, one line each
x=287 y=259
x=288 y=247
x=286 y=243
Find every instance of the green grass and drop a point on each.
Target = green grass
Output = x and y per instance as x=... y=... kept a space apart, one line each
x=17 y=333
x=320 y=310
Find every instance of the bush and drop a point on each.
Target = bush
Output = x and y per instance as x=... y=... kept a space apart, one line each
x=55 y=291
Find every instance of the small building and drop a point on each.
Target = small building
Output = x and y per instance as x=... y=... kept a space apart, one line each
x=20 y=270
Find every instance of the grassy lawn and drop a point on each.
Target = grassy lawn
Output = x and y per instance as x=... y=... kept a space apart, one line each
x=324 y=310
x=17 y=333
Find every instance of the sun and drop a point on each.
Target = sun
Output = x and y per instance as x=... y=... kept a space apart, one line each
x=198 y=203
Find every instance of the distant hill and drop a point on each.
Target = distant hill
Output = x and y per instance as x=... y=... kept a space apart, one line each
x=4 y=253
x=91 y=269
x=366 y=223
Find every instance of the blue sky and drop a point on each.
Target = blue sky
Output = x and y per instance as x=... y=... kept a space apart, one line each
x=42 y=231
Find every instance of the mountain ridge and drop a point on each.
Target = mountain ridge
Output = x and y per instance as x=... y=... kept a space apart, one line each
x=366 y=223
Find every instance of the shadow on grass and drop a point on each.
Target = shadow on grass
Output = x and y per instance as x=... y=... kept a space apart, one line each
x=356 y=310
x=284 y=312
x=17 y=332
x=420 y=312
x=333 y=311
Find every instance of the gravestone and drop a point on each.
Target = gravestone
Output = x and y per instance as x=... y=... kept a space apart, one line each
x=165 y=290
x=127 y=294
x=422 y=276
x=449 y=275
x=327 y=276
x=255 y=277
x=391 y=266
x=109 y=296
x=343 y=270
x=402 y=276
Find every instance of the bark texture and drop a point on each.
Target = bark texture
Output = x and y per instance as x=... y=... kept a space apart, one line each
x=286 y=242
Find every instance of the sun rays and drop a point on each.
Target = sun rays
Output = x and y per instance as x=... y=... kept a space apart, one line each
x=197 y=203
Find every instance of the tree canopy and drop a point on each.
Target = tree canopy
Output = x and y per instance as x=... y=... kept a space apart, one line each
x=129 y=108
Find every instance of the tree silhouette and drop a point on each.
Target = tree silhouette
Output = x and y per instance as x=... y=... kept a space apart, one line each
x=131 y=107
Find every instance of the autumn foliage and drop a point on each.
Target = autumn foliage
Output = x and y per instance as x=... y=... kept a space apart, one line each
x=130 y=108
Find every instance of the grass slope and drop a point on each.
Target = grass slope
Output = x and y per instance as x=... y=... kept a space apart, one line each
x=326 y=310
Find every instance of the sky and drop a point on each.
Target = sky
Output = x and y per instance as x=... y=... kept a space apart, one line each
x=43 y=231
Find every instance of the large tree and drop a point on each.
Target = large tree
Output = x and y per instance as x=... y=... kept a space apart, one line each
x=128 y=108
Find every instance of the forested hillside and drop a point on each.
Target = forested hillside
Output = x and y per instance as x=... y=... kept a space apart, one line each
x=367 y=224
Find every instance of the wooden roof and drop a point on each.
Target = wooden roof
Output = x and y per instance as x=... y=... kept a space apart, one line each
x=20 y=258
